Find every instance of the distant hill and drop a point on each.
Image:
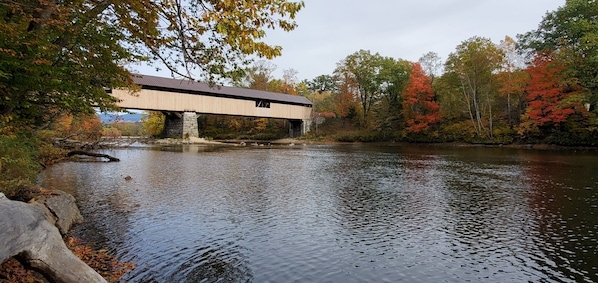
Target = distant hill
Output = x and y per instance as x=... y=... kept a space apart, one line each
x=108 y=118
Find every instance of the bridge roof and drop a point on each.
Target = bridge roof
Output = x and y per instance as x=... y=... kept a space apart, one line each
x=193 y=87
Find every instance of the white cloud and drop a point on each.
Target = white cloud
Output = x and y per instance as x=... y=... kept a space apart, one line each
x=329 y=30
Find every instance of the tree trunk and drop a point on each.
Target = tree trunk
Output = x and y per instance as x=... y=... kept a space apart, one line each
x=80 y=152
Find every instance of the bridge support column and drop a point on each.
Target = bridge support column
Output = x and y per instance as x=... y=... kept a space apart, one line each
x=173 y=125
x=298 y=128
x=190 y=128
x=181 y=125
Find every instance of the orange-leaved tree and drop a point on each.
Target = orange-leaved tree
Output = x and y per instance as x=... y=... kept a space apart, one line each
x=546 y=93
x=419 y=108
x=81 y=127
x=346 y=99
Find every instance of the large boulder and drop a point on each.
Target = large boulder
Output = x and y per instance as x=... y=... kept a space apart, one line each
x=60 y=209
x=26 y=233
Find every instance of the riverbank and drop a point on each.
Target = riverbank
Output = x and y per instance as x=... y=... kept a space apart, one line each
x=304 y=142
x=13 y=271
x=463 y=144
x=35 y=244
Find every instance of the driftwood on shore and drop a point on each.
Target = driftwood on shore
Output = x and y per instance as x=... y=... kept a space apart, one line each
x=93 y=154
x=104 y=142
x=25 y=233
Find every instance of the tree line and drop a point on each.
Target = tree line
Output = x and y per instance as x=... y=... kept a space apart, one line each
x=540 y=87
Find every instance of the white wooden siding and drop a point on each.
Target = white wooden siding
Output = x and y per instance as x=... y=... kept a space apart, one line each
x=171 y=101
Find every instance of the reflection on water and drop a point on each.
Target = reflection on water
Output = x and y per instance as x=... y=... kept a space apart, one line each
x=342 y=213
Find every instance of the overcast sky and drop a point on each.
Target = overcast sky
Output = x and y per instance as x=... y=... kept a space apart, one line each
x=330 y=30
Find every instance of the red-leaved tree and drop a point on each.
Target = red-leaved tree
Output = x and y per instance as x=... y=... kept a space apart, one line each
x=419 y=108
x=546 y=93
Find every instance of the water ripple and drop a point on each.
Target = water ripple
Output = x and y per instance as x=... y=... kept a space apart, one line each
x=343 y=214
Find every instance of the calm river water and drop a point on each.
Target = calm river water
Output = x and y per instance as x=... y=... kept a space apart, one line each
x=342 y=213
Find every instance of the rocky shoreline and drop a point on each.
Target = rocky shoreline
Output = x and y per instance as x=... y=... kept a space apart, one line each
x=32 y=233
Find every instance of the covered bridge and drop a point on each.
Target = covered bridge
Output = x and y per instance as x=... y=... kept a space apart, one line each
x=183 y=100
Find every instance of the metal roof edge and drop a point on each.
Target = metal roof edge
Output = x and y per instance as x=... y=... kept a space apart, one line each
x=219 y=90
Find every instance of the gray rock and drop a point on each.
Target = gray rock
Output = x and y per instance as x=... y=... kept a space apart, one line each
x=63 y=211
x=27 y=234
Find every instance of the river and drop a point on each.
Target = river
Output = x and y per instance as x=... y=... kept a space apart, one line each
x=341 y=213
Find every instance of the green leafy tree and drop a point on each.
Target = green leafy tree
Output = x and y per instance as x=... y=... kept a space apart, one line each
x=153 y=123
x=392 y=78
x=324 y=101
x=322 y=83
x=450 y=97
x=571 y=32
x=474 y=63
x=363 y=67
x=16 y=168
x=303 y=88
x=61 y=56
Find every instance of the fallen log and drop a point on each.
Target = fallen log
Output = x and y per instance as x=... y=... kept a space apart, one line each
x=93 y=154
x=26 y=234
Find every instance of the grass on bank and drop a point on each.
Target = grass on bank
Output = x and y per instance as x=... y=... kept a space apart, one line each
x=18 y=163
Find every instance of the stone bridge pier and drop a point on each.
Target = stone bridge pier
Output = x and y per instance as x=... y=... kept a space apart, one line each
x=181 y=124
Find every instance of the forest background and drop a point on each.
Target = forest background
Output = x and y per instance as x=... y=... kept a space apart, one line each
x=58 y=58
x=539 y=87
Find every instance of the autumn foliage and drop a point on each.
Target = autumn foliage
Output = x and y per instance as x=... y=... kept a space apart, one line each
x=106 y=265
x=545 y=92
x=419 y=108
x=82 y=127
x=109 y=267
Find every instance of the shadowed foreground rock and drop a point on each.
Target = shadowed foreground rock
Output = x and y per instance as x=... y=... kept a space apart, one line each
x=26 y=234
x=60 y=209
